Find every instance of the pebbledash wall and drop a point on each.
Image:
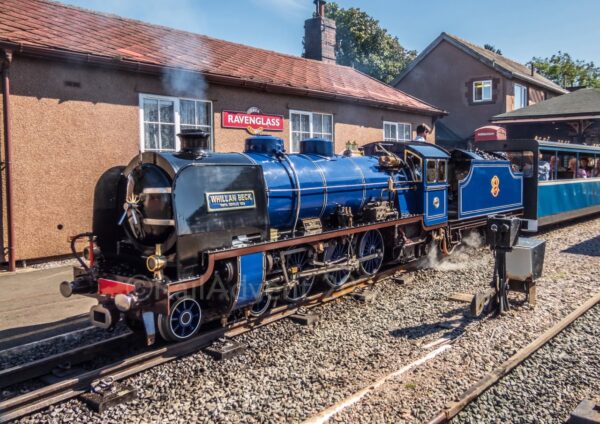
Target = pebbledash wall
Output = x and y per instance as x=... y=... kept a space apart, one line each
x=72 y=122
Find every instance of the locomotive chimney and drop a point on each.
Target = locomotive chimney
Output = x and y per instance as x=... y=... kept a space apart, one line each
x=319 y=35
x=194 y=142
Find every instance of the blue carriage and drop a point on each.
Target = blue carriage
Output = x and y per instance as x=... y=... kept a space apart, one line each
x=560 y=181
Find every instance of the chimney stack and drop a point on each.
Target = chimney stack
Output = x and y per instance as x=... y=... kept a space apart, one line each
x=319 y=36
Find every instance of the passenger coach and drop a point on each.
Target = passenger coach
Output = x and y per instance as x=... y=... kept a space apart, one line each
x=560 y=181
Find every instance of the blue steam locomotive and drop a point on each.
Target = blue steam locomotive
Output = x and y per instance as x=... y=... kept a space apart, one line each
x=183 y=238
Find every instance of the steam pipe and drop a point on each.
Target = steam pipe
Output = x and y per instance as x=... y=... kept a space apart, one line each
x=6 y=62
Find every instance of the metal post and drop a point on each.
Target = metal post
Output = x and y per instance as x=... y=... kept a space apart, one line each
x=6 y=62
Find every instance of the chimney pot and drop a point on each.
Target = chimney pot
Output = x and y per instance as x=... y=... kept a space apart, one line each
x=319 y=35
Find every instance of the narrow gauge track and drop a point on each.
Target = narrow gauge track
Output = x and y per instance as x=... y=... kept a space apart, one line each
x=44 y=397
x=40 y=367
x=472 y=393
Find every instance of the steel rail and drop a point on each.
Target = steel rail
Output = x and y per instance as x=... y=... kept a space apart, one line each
x=43 y=366
x=28 y=403
x=454 y=408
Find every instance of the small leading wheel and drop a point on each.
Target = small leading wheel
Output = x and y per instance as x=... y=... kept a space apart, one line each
x=337 y=251
x=183 y=320
x=370 y=246
x=295 y=263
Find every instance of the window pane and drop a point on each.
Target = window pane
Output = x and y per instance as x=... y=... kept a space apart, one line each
x=387 y=131
x=167 y=137
x=405 y=135
x=151 y=136
x=187 y=109
x=482 y=91
x=295 y=122
x=441 y=171
x=328 y=124
x=567 y=164
x=394 y=132
x=294 y=147
x=477 y=90
x=586 y=165
x=203 y=113
x=305 y=124
x=487 y=90
x=317 y=124
x=596 y=167
x=431 y=171
x=150 y=110
x=547 y=166
x=167 y=112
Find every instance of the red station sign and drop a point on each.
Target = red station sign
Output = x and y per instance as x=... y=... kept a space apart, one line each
x=252 y=121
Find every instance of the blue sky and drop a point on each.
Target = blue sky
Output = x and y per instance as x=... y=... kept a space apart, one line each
x=521 y=29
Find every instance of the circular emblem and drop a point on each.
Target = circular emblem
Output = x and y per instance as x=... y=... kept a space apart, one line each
x=436 y=202
x=495 y=186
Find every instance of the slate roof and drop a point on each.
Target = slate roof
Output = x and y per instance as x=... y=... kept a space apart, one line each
x=51 y=29
x=580 y=103
x=502 y=64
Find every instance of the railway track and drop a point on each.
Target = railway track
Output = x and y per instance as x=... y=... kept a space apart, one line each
x=472 y=393
x=71 y=387
x=439 y=347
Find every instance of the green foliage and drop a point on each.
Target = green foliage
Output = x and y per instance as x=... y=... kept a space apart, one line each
x=363 y=44
x=492 y=48
x=565 y=71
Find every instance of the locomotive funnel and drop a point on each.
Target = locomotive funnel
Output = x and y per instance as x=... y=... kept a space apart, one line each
x=195 y=142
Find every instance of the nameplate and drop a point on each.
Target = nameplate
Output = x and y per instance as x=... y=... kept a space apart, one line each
x=230 y=200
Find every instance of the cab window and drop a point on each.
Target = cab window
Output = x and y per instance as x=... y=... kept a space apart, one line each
x=431 y=171
x=441 y=171
x=414 y=163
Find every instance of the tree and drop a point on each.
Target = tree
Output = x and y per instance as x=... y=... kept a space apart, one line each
x=363 y=44
x=492 y=48
x=565 y=71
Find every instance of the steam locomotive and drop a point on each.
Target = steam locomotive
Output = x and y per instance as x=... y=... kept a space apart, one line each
x=183 y=238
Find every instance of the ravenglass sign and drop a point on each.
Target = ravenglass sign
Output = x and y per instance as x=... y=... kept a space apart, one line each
x=252 y=121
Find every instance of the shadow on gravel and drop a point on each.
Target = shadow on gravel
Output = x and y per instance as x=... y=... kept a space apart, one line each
x=590 y=247
x=451 y=327
x=20 y=335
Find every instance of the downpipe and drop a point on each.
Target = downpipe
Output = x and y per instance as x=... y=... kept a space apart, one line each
x=6 y=56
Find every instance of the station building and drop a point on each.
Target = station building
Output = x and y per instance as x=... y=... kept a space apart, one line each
x=85 y=91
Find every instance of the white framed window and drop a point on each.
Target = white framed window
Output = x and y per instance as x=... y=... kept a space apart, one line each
x=520 y=96
x=482 y=91
x=161 y=118
x=308 y=125
x=396 y=131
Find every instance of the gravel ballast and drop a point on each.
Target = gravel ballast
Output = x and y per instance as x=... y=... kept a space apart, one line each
x=549 y=385
x=290 y=372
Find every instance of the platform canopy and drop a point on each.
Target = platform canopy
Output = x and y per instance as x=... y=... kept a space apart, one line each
x=572 y=117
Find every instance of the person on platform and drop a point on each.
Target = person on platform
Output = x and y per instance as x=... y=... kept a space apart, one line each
x=422 y=132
